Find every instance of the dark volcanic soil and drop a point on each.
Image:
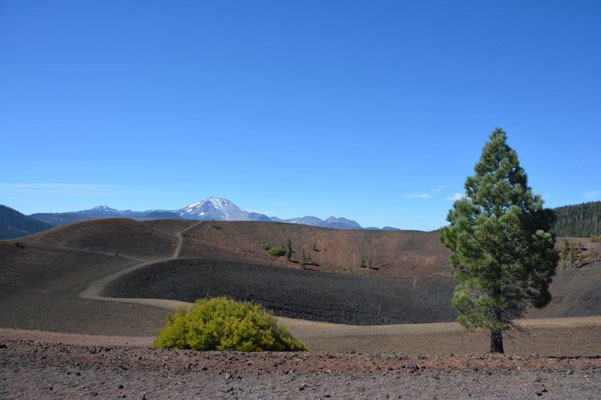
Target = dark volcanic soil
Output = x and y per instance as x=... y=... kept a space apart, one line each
x=39 y=289
x=311 y=295
x=576 y=292
x=39 y=370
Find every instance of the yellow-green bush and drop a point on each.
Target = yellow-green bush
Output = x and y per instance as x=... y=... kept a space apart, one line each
x=224 y=324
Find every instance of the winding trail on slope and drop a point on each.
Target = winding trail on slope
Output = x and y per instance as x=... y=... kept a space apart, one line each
x=93 y=291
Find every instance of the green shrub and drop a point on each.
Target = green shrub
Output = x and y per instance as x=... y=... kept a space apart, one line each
x=265 y=246
x=224 y=324
x=277 y=251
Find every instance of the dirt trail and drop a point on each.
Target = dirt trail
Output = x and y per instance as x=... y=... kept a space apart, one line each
x=93 y=291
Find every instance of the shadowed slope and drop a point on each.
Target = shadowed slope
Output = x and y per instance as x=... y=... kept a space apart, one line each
x=319 y=296
x=576 y=292
x=40 y=286
x=13 y=224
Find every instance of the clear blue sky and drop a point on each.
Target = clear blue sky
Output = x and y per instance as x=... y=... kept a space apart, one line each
x=372 y=110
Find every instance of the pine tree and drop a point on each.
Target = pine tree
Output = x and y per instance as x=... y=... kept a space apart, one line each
x=573 y=255
x=503 y=251
x=303 y=259
x=289 y=250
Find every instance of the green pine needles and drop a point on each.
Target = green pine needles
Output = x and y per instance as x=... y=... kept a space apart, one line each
x=504 y=253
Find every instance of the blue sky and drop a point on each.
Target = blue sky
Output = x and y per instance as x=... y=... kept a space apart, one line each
x=372 y=110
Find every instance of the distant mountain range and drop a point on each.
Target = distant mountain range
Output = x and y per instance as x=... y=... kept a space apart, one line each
x=213 y=208
x=14 y=224
x=582 y=220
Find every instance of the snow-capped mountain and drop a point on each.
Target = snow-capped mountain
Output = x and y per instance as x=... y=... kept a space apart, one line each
x=213 y=208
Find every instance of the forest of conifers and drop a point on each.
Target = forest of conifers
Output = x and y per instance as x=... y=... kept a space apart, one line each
x=581 y=220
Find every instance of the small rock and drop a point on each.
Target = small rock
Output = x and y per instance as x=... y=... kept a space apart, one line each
x=120 y=386
x=227 y=389
x=536 y=379
x=2 y=346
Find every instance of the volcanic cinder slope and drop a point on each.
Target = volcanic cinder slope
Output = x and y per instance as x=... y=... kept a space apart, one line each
x=56 y=281
x=392 y=253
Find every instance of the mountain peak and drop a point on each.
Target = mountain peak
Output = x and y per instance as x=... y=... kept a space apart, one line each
x=214 y=208
x=104 y=209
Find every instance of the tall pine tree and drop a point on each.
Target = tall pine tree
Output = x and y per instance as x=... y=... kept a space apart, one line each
x=503 y=251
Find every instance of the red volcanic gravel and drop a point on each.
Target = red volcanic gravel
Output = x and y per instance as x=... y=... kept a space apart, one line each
x=31 y=369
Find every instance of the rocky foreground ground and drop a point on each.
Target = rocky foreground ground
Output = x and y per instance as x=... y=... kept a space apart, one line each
x=36 y=369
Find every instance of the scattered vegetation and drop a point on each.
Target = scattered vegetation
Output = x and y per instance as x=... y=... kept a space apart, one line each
x=315 y=247
x=289 y=249
x=595 y=239
x=573 y=254
x=366 y=262
x=503 y=250
x=18 y=244
x=116 y=253
x=225 y=324
x=277 y=251
x=304 y=259
x=582 y=220
x=265 y=246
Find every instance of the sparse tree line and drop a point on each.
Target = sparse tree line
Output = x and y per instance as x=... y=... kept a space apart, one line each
x=573 y=254
x=304 y=259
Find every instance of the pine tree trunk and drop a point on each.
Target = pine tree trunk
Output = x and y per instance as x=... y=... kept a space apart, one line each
x=496 y=342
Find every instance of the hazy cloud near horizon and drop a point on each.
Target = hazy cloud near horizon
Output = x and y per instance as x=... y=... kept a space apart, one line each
x=65 y=189
x=593 y=195
x=416 y=196
x=456 y=196
x=425 y=195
